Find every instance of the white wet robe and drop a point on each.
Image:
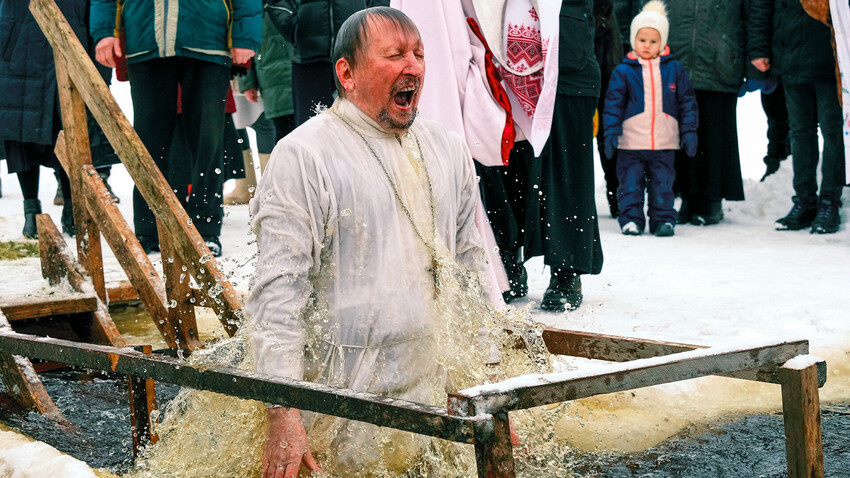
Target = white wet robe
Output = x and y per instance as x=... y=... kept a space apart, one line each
x=343 y=294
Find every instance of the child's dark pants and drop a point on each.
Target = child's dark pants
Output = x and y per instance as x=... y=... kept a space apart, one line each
x=650 y=171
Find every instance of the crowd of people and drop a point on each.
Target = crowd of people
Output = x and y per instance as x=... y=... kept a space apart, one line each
x=521 y=87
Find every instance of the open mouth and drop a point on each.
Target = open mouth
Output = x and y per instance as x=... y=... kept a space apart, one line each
x=404 y=96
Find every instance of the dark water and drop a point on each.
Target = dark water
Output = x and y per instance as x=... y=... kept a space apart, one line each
x=752 y=446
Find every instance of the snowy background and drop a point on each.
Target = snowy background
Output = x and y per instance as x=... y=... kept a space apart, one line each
x=739 y=281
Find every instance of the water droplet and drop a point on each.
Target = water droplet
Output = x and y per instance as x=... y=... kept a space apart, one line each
x=217 y=171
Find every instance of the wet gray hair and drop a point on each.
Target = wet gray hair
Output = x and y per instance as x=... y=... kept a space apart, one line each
x=352 y=36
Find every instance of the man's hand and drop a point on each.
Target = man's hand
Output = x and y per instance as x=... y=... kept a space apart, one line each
x=761 y=64
x=252 y=94
x=286 y=445
x=107 y=50
x=240 y=56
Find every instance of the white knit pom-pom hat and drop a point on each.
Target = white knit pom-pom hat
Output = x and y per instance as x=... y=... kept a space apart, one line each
x=653 y=15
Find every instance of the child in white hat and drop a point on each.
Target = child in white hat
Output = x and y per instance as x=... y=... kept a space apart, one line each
x=650 y=112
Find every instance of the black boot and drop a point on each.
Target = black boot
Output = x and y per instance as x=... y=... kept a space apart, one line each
x=68 y=219
x=32 y=207
x=104 y=175
x=564 y=291
x=712 y=214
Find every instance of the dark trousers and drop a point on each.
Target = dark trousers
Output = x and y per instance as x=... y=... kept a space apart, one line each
x=203 y=88
x=283 y=125
x=312 y=84
x=650 y=171
x=810 y=105
x=778 y=138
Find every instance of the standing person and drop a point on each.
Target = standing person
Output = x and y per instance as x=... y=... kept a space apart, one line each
x=567 y=232
x=360 y=207
x=311 y=28
x=650 y=105
x=797 y=50
x=191 y=48
x=710 y=41
x=30 y=117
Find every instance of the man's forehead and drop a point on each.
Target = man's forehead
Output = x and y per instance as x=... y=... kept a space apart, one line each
x=385 y=34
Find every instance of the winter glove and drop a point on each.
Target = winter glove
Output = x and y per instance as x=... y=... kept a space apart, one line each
x=611 y=146
x=689 y=143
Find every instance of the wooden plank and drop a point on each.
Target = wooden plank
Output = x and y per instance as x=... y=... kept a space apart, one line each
x=23 y=383
x=102 y=327
x=543 y=389
x=129 y=252
x=142 y=395
x=121 y=291
x=494 y=454
x=614 y=348
x=74 y=144
x=801 y=412
x=35 y=307
x=147 y=177
x=178 y=291
x=365 y=407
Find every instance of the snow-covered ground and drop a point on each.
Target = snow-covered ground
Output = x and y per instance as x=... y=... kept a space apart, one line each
x=739 y=281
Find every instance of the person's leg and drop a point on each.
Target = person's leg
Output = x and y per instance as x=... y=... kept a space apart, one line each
x=802 y=116
x=283 y=125
x=312 y=84
x=204 y=87
x=153 y=88
x=631 y=174
x=778 y=140
x=244 y=187
x=830 y=119
x=609 y=165
x=660 y=175
x=28 y=173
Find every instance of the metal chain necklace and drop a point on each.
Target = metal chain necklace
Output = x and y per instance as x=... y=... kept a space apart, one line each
x=428 y=245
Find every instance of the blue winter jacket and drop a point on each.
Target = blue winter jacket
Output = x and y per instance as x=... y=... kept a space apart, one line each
x=201 y=29
x=649 y=103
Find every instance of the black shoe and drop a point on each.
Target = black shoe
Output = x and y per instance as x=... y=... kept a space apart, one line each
x=828 y=219
x=104 y=175
x=59 y=198
x=685 y=213
x=32 y=207
x=800 y=216
x=564 y=292
x=214 y=245
x=664 y=230
x=772 y=165
x=149 y=243
x=713 y=215
x=68 y=219
x=517 y=281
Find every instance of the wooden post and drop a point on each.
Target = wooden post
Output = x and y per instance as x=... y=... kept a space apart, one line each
x=142 y=394
x=179 y=294
x=23 y=383
x=801 y=411
x=51 y=243
x=189 y=244
x=77 y=152
x=494 y=455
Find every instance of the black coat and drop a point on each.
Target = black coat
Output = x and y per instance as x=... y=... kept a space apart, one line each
x=578 y=71
x=29 y=100
x=311 y=25
x=798 y=46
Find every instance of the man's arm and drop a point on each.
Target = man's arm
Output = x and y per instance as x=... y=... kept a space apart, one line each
x=760 y=33
x=284 y=16
x=289 y=223
x=103 y=27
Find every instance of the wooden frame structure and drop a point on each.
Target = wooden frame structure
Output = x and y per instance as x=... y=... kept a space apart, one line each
x=479 y=416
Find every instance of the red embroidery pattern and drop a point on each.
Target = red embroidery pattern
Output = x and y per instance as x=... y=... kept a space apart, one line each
x=524 y=51
x=533 y=14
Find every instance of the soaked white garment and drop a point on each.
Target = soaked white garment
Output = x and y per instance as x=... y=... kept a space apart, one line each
x=343 y=294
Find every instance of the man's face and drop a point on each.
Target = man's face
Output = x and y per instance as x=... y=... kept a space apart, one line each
x=388 y=76
x=647 y=43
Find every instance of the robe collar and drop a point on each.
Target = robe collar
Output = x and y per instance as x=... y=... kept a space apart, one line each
x=360 y=120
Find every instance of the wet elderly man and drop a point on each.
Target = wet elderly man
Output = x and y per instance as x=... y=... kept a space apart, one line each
x=355 y=210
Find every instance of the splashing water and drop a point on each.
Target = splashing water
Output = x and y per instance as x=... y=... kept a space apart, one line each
x=208 y=434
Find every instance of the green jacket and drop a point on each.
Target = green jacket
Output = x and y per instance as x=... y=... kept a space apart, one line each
x=709 y=37
x=201 y=29
x=271 y=72
x=578 y=70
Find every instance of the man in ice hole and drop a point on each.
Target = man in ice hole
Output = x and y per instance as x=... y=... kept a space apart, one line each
x=354 y=212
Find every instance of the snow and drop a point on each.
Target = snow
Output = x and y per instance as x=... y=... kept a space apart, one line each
x=739 y=281
x=802 y=361
x=22 y=458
